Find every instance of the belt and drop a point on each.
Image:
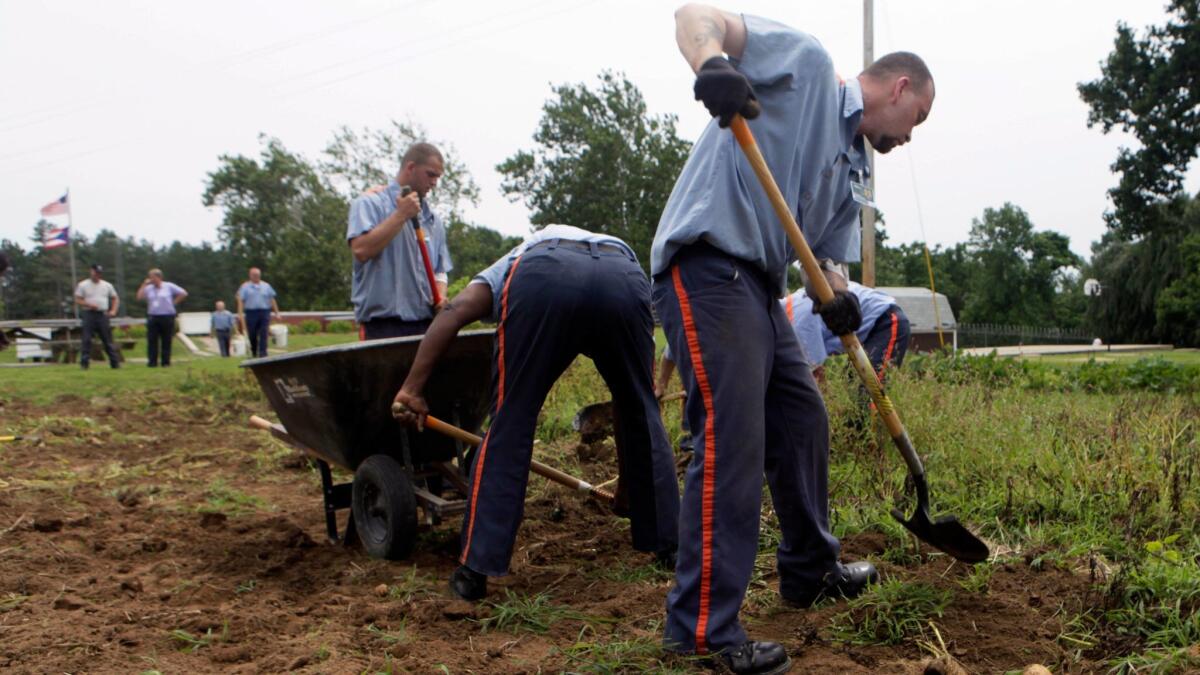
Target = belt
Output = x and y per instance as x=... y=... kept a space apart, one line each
x=582 y=246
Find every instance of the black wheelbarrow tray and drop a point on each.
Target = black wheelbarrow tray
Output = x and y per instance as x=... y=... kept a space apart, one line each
x=334 y=405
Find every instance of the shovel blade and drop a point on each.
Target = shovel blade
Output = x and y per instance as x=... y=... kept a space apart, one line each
x=945 y=534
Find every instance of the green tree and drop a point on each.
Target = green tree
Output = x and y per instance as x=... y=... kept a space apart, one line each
x=1018 y=271
x=282 y=215
x=601 y=162
x=474 y=248
x=1150 y=87
x=356 y=160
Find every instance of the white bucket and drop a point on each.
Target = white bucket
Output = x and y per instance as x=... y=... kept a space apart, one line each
x=237 y=345
x=279 y=333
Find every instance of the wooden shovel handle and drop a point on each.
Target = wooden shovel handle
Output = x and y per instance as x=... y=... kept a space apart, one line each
x=547 y=472
x=858 y=357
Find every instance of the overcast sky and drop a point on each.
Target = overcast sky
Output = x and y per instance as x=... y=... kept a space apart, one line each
x=129 y=103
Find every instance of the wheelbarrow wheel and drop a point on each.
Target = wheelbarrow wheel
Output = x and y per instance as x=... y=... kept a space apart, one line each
x=385 y=508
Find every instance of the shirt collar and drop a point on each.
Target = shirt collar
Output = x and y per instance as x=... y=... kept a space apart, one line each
x=852 y=112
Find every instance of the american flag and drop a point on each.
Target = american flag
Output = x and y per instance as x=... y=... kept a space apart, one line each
x=57 y=207
x=59 y=236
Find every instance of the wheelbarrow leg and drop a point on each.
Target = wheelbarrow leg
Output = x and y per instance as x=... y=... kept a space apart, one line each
x=337 y=497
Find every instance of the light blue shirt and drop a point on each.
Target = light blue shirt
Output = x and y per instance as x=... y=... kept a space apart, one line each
x=160 y=300
x=808 y=134
x=495 y=275
x=393 y=284
x=818 y=341
x=256 y=296
x=222 y=320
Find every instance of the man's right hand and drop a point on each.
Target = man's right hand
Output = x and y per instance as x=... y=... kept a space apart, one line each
x=410 y=409
x=408 y=206
x=725 y=91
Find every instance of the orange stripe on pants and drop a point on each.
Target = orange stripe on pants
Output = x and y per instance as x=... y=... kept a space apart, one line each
x=499 y=401
x=710 y=479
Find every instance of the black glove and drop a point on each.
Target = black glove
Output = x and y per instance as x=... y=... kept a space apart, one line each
x=725 y=91
x=842 y=315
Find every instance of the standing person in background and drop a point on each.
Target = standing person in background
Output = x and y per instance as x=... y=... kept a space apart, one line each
x=99 y=301
x=391 y=292
x=256 y=304
x=3 y=270
x=161 y=298
x=222 y=325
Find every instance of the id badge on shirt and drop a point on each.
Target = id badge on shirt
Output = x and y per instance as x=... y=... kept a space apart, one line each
x=862 y=193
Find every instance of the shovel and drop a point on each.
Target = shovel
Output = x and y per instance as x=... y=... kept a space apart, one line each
x=594 y=421
x=547 y=472
x=944 y=533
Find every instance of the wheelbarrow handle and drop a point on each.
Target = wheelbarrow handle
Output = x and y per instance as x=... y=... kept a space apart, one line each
x=858 y=356
x=547 y=472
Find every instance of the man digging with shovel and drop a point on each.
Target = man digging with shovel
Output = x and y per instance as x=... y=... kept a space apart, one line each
x=561 y=293
x=719 y=262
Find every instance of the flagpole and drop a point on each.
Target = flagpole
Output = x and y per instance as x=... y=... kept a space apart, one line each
x=71 y=245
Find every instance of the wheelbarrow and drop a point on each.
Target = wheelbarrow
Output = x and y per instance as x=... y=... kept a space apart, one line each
x=334 y=405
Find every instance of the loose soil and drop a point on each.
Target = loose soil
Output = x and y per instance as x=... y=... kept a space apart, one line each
x=166 y=536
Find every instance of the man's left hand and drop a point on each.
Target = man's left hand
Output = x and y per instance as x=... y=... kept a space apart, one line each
x=410 y=409
x=842 y=315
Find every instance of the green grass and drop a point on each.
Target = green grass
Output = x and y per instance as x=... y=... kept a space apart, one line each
x=1185 y=356
x=529 y=614
x=890 y=613
x=44 y=383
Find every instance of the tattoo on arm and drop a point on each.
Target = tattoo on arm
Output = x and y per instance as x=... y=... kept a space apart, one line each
x=709 y=30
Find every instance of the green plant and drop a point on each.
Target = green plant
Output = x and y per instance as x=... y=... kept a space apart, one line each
x=889 y=613
x=191 y=643
x=340 y=326
x=309 y=327
x=531 y=614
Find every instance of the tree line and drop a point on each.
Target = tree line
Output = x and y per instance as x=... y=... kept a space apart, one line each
x=601 y=161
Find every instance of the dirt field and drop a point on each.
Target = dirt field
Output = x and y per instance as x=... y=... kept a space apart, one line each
x=166 y=537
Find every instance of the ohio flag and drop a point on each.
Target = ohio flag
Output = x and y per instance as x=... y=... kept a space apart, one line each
x=57 y=207
x=59 y=236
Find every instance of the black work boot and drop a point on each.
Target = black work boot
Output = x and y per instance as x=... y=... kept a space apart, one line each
x=756 y=658
x=468 y=584
x=849 y=581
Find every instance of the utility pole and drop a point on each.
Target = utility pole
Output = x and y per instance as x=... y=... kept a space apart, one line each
x=868 y=212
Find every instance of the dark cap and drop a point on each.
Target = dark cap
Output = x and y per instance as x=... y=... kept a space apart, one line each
x=98 y=268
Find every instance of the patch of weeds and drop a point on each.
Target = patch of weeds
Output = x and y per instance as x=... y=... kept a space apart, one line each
x=246 y=586
x=190 y=643
x=389 y=637
x=634 y=655
x=977 y=580
x=1078 y=632
x=1157 y=662
x=322 y=654
x=220 y=497
x=890 y=613
x=11 y=601
x=529 y=614
x=625 y=572
x=1157 y=601
x=410 y=585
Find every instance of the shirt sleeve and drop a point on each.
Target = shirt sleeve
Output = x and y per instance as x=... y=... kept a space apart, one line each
x=778 y=55
x=270 y=290
x=445 y=264
x=362 y=217
x=176 y=290
x=78 y=290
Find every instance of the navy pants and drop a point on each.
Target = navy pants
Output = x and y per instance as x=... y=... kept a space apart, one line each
x=95 y=323
x=160 y=331
x=753 y=407
x=377 y=329
x=557 y=302
x=887 y=343
x=258 y=322
x=223 y=341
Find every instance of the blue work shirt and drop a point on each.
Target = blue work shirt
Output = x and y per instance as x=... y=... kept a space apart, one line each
x=222 y=320
x=160 y=300
x=393 y=284
x=818 y=341
x=808 y=133
x=256 y=296
x=495 y=275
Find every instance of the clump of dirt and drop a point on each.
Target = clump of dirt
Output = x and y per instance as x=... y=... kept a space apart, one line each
x=177 y=540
